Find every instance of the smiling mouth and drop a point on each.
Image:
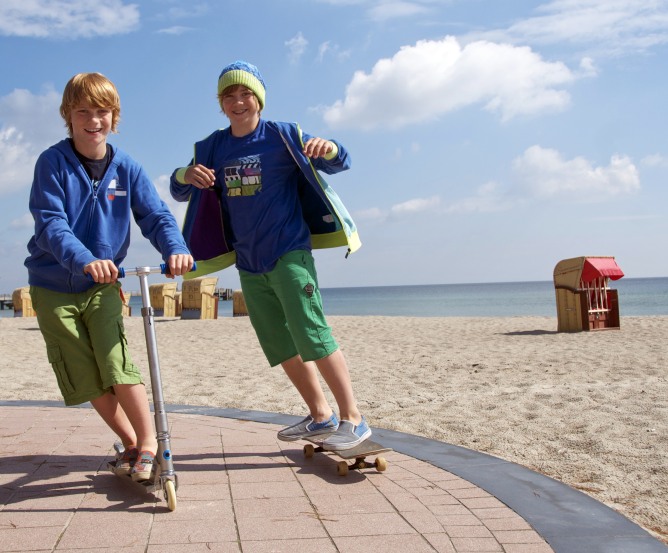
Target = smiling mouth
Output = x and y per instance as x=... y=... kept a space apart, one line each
x=93 y=131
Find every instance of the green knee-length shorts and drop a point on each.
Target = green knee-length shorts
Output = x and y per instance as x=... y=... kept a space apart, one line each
x=285 y=309
x=85 y=341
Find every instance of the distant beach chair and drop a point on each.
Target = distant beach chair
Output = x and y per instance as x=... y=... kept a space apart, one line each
x=22 y=302
x=164 y=299
x=199 y=298
x=239 y=308
x=127 y=308
x=584 y=300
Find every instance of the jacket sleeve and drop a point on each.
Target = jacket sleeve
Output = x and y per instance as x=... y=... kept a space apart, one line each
x=154 y=218
x=340 y=162
x=179 y=191
x=53 y=232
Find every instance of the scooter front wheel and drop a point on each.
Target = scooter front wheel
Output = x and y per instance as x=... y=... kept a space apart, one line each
x=170 y=494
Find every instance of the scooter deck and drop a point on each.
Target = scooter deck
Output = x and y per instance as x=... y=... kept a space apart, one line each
x=151 y=485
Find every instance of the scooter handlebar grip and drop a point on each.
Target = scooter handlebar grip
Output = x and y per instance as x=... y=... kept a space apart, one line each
x=164 y=268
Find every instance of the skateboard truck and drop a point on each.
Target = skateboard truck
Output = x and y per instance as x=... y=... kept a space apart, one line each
x=359 y=453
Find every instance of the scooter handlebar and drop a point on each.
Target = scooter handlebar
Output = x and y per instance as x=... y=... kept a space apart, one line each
x=163 y=269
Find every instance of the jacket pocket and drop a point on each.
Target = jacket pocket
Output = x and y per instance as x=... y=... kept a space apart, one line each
x=55 y=357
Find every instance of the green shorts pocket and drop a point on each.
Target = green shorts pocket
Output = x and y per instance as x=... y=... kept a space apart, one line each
x=128 y=366
x=55 y=356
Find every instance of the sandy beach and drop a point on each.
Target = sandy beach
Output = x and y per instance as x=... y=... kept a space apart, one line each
x=589 y=409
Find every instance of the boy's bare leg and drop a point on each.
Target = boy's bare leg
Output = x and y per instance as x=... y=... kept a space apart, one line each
x=112 y=413
x=133 y=400
x=304 y=377
x=334 y=370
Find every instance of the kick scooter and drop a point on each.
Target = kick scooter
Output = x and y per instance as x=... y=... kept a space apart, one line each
x=163 y=477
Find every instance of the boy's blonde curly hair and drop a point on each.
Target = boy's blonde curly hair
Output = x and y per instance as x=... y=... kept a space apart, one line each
x=94 y=89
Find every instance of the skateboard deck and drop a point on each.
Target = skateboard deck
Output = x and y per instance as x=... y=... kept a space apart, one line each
x=359 y=453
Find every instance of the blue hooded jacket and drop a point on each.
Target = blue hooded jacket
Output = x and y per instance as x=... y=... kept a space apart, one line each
x=75 y=224
x=208 y=233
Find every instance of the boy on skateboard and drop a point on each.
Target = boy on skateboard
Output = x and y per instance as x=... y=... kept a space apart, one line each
x=83 y=197
x=256 y=198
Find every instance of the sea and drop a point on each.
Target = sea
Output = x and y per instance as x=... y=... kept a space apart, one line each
x=637 y=297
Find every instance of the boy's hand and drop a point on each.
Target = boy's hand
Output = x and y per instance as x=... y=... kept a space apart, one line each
x=200 y=176
x=317 y=147
x=179 y=264
x=102 y=271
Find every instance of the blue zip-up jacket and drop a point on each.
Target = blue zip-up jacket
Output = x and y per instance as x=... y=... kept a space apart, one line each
x=76 y=224
x=207 y=231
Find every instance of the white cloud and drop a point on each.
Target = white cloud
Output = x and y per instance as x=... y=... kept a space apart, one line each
x=327 y=49
x=395 y=9
x=545 y=174
x=588 y=68
x=655 y=160
x=67 y=18
x=24 y=222
x=371 y=214
x=296 y=47
x=17 y=159
x=188 y=10
x=176 y=30
x=488 y=198
x=178 y=209
x=29 y=123
x=416 y=205
x=408 y=208
x=606 y=26
x=431 y=78
x=383 y=10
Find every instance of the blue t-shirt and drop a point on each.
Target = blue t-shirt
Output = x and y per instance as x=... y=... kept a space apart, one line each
x=258 y=182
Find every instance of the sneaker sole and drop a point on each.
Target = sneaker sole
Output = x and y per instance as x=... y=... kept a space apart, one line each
x=138 y=476
x=305 y=437
x=349 y=445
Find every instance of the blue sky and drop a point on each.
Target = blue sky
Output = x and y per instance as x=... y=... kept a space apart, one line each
x=489 y=139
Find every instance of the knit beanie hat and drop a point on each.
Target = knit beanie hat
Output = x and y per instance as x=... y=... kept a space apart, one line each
x=243 y=73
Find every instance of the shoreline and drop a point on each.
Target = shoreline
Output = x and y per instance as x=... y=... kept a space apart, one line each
x=589 y=409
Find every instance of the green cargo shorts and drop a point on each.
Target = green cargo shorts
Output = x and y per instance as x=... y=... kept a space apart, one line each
x=285 y=309
x=85 y=341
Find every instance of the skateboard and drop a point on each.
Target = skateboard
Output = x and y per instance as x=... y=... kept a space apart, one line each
x=359 y=453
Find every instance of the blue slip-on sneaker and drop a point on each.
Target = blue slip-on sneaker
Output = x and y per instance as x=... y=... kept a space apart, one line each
x=348 y=435
x=308 y=428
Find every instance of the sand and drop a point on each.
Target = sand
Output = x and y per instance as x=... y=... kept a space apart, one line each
x=589 y=409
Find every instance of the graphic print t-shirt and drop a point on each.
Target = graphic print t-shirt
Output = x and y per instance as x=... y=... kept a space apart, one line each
x=258 y=182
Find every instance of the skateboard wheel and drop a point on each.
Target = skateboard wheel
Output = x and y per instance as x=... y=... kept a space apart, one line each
x=309 y=450
x=342 y=468
x=170 y=494
x=381 y=464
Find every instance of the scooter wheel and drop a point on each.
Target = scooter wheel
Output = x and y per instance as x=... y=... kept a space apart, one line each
x=170 y=494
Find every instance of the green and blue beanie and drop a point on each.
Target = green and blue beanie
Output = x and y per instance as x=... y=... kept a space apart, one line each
x=243 y=73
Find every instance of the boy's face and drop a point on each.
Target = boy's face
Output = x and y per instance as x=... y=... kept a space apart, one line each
x=90 y=127
x=240 y=104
